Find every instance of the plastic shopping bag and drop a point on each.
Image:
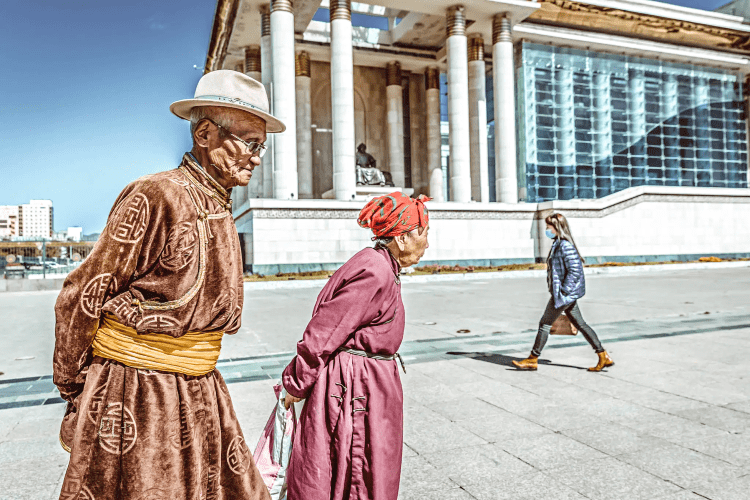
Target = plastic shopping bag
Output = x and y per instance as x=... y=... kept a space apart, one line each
x=275 y=446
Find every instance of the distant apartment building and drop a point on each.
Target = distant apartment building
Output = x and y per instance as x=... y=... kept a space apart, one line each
x=73 y=233
x=32 y=220
x=8 y=221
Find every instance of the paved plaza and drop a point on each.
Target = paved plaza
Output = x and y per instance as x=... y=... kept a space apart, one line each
x=670 y=421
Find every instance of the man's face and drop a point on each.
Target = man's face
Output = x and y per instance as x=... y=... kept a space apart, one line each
x=230 y=157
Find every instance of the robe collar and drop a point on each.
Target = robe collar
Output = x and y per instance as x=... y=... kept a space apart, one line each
x=198 y=176
x=395 y=267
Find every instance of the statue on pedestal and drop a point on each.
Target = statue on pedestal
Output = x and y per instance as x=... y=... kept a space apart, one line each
x=367 y=173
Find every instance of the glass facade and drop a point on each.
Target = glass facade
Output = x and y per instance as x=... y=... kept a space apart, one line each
x=591 y=124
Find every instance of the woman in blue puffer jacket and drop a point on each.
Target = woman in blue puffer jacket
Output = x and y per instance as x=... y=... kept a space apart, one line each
x=566 y=283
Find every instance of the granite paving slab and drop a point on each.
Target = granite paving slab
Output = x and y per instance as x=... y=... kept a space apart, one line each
x=611 y=479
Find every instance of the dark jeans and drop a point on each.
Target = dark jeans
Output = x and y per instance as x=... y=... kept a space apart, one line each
x=574 y=314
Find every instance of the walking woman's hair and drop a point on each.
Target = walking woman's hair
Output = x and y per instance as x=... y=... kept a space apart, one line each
x=560 y=223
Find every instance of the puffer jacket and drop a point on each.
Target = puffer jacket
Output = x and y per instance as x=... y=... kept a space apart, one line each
x=565 y=273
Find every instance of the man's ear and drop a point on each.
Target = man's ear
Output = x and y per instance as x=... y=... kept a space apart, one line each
x=200 y=136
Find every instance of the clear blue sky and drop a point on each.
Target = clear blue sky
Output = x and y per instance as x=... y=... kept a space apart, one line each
x=85 y=88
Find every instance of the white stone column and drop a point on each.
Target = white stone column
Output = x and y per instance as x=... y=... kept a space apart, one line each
x=480 y=187
x=395 y=123
x=434 y=169
x=266 y=78
x=506 y=181
x=252 y=68
x=304 y=129
x=284 y=100
x=458 y=105
x=342 y=100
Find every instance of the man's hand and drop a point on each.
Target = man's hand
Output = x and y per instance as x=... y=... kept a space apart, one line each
x=70 y=391
x=289 y=400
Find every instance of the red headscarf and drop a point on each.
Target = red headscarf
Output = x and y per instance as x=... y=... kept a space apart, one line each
x=394 y=214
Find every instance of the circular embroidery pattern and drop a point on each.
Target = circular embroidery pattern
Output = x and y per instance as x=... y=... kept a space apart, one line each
x=224 y=305
x=93 y=294
x=124 y=308
x=181 y=247
x=238 y=455
x=96 y=403
x=155 y=494
x=157 y=323
x=73 y=487
x=117 y=431
x=181 y=437
x=129 y=222
x=210 y=478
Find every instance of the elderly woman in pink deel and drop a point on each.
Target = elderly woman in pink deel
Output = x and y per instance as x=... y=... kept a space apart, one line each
x=350 y=437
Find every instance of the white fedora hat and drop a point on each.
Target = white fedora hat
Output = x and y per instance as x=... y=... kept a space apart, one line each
x=230 y=89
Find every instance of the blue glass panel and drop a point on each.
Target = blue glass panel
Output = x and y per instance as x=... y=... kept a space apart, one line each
x=597 y=123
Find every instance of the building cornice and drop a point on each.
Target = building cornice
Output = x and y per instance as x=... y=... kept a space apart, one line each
x=676 y=12
x=611 y=17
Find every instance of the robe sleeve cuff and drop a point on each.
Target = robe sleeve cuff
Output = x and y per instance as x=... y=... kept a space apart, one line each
x=288 y=380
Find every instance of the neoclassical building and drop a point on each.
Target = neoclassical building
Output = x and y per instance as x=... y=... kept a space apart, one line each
x=500 y=110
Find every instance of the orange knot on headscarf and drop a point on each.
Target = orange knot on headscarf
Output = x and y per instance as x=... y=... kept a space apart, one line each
x=394 y=214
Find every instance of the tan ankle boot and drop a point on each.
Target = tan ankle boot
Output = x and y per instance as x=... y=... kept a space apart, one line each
x=526 y=364
x=604 y=361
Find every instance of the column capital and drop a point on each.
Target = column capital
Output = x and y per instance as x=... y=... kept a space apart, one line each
x=476 y=48
x=265 y=20
x=252 y=59
x=432 y=78
x=455 y=21
x=302 y=64
x=282 y=5
x=341 y=9
x=393 y=73
x=501 y=29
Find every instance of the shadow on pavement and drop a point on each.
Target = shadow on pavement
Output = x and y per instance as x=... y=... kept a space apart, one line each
x=501 y=359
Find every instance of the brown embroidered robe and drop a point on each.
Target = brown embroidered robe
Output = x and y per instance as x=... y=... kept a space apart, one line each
x=168 y=262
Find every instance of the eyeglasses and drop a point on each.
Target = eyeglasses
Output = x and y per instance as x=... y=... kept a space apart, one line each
x=255 y=148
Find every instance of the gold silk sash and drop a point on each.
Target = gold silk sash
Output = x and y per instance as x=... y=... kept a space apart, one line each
x=194 y=353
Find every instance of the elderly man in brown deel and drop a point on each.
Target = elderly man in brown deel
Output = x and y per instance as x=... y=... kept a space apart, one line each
x=140 y=322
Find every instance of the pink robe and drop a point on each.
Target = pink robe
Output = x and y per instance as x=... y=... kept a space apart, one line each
x=349 y=440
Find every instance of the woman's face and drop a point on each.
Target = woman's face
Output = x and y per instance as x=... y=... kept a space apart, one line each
x=414 y=246
x=552 y=228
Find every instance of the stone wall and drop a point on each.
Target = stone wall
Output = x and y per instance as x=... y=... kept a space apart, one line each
x=646 y=223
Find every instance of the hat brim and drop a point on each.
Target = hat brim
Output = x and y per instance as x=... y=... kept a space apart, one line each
x=182 y=109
